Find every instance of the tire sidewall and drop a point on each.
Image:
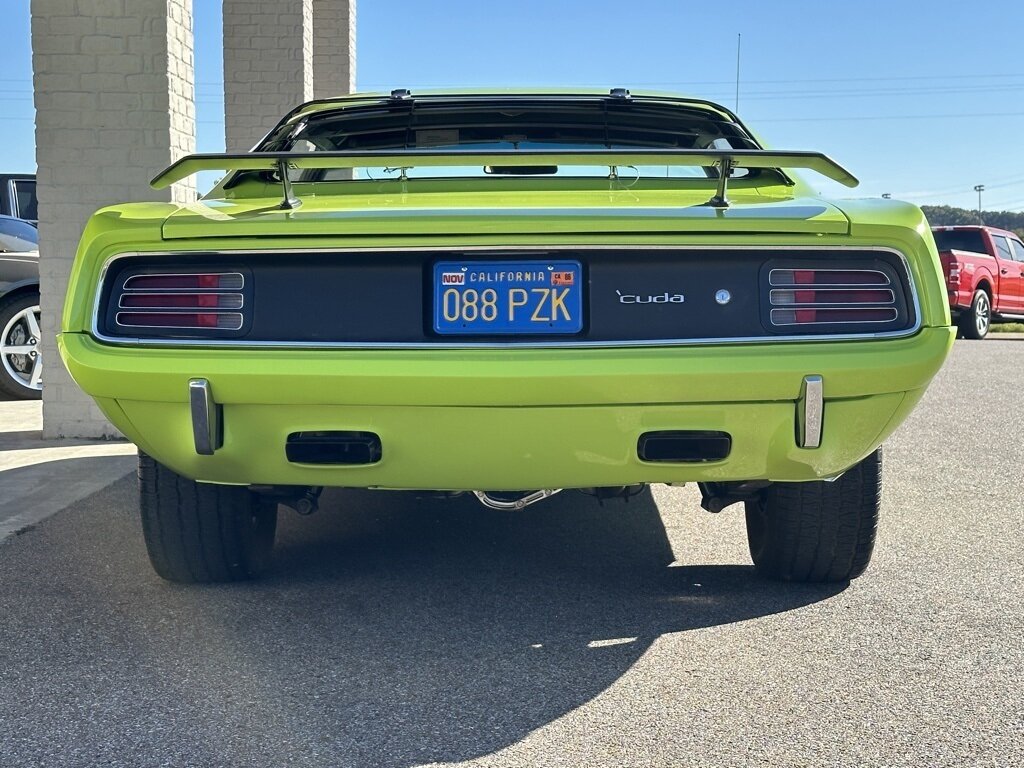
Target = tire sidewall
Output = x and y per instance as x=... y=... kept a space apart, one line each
x=9 y=308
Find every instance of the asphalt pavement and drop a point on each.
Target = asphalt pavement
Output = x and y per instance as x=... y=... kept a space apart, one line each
x=399 y=632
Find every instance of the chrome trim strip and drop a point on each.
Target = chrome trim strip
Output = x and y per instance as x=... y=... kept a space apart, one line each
x=895 y=315
x=149 y=311
x=809 y=411
x=205 y=412
x=499 y=251
x=771 y=298
x=239 y=275
x=772 y=282
x=159 y=294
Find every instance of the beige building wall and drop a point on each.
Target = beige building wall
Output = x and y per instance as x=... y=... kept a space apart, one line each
x=114 y=98
x=115 y=103
x=268 y=65
x=334 y=48
x=278 y=54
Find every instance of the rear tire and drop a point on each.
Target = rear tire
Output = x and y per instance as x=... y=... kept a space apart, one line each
x=976 y=321
x=21 y=364
x=200 y=533
x=818 y=531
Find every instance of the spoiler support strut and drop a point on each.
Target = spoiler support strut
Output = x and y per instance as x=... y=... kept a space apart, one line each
x=724 y=170
x=290 y=201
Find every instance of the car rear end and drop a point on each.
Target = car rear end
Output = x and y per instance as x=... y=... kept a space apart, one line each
x=512 y=361
x=510 y=335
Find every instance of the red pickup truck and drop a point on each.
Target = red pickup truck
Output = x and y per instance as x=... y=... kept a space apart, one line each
x=984 y=269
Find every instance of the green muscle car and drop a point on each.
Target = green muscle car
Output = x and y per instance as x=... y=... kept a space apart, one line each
x=508 y=294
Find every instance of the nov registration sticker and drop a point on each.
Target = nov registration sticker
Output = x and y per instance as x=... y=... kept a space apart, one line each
x=508 y=297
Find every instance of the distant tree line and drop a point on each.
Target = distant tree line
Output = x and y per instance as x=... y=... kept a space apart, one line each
x=947 y=215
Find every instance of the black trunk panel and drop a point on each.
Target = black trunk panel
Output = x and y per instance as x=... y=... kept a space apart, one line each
x=631 y=294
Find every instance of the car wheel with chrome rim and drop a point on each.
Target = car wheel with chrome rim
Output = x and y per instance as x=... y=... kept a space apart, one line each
x=977 y=320
x=21 y=360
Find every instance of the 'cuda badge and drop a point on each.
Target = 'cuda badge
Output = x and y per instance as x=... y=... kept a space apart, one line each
x=659 y=298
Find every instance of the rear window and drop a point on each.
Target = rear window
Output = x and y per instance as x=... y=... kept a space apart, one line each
x=512 y=124
x=960 y=240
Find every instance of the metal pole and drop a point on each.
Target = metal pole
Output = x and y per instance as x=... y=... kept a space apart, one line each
x=739 y=39
x=979 y=188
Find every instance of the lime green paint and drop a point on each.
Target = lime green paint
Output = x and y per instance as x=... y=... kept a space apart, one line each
x=511 y=418
x=518 y=448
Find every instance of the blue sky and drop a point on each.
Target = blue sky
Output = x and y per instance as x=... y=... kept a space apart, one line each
x=919 y=99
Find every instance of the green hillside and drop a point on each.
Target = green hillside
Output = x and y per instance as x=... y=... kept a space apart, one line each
x=947 y=215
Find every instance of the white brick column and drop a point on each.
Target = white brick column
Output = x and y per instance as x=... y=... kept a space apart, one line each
x=334 y=48
x=278 y=54
x=114 y=98
x=268 y=65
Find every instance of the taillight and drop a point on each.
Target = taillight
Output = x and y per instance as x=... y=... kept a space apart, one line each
x=207 y=281
x=805 y=299
x=179 y=302
x=827 y=277
x=231 y=321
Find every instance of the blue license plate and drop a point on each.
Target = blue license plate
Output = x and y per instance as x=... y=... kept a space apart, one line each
x=508 y=297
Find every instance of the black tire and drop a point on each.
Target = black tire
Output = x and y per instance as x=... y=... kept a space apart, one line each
x=16 y=370
x=817 y=531
x=197 y=532
x=976 y=321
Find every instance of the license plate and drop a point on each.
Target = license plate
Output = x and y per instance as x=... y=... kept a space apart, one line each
x=508 y=297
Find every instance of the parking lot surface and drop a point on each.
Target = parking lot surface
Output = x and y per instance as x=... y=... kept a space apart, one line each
x=400 y=632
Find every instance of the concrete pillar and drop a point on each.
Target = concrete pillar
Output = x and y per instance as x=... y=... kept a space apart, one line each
x=278 y=54
x=334 y=48
x=114 y=98
x=268 y=65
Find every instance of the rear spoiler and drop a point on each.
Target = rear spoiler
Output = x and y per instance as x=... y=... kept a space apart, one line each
x=723 y=159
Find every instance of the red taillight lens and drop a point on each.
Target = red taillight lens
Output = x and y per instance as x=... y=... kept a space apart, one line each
x=830 y=297
x=215 y=281
x=831 y=277
x=826 y=316
x=182 y=300
x=228 y=321
x=783 y=297
x=194 y=301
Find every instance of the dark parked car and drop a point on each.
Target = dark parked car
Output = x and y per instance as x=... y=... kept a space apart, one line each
x=18 y=196
x=21 y=365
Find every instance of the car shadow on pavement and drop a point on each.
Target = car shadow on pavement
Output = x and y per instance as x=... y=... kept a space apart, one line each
x=393 y=631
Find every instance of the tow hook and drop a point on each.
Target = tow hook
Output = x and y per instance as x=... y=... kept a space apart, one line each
x=515 y=504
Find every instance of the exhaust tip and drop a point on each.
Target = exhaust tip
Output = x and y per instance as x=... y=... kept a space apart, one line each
x=333 y=448
x=683 y=446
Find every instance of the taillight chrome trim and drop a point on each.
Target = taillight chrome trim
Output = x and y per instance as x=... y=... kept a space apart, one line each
x=98 y=335
x=153 y=311
x=812 y=305
x=810 y=286
x=895 y=316
x=126 y=286
x=806 y=304
x=159 y=308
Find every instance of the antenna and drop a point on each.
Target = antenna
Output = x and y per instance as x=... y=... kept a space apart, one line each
x=739 y=39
